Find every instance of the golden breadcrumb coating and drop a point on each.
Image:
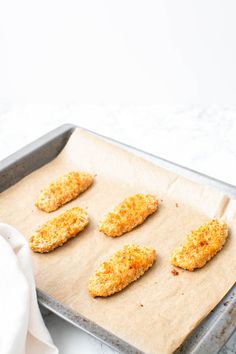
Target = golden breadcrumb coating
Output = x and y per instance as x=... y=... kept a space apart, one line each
x=124 y=267
x=201 y=245
x=59 y=230
x=128 y=214
x=63 y=190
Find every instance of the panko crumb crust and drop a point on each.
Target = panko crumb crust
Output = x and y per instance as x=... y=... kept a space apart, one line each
x=201 y=245
x=127 y=215
x=124 y=267
x=59 y=230
x=63 y=190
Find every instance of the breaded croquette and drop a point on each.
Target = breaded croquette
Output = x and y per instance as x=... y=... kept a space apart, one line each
x=63 y=190
x=201 y=245
x=128 y=214
x=124 y=267
x=59 y=230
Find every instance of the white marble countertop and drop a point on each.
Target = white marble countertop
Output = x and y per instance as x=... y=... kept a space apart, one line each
x=201 y=138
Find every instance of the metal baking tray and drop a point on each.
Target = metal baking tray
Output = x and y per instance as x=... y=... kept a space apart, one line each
x=211 y=334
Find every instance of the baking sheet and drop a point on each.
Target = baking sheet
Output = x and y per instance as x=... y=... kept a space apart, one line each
x=172 y=306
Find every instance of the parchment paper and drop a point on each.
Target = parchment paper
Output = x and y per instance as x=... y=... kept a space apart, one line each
x=157 y=312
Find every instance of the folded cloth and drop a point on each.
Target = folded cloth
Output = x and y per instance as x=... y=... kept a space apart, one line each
x=22 y=330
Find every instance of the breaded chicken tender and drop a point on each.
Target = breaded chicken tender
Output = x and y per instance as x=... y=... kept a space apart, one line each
x=128 y=214
x=63 y=190
x=124 y=267
x=201 y=245
x=59 y=230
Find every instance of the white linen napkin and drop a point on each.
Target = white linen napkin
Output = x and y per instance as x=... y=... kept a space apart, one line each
x=22 y=330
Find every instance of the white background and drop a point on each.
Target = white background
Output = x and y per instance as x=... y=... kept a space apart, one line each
x=159 y=75
x=126 y=51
